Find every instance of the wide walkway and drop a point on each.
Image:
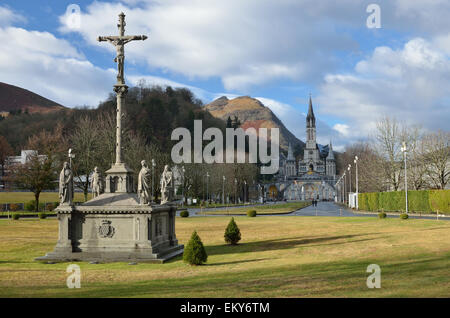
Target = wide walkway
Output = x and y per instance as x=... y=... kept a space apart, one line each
x=325 y=209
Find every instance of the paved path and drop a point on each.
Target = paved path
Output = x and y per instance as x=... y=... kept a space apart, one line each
x=325 y=209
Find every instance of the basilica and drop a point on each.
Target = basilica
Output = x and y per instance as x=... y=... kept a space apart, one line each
x=313 y=176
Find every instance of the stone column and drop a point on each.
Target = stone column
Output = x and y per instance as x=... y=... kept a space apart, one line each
x=121 y=91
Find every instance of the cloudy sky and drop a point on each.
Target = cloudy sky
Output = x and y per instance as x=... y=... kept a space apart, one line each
x=278 y=51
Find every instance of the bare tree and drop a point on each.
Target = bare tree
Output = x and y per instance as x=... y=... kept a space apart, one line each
x=40 y=171
x=437 y=148
x=388 y=144
x=370 y=167
x=87 y=145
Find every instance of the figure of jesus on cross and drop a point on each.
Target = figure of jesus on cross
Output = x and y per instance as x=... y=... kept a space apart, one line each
x=119 y=43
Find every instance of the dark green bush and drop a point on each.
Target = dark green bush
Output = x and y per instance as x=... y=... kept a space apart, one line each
x=194 y=251
x=16 y=216
x=404 y=216
x=232 y=233
x=30 y=205
x=382 y=215
x=42 y=215
x=251 y=213
x=184 y=214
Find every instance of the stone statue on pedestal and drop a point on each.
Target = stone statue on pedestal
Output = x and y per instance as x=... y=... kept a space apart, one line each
x=96 y=184
x=166 y=185
x=66 y=185
x=144 y=180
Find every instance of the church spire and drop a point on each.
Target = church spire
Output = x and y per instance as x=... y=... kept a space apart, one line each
x=310 y=118
x=330 y=152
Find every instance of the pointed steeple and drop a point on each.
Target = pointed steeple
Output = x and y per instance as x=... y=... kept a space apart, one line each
x=330 y=152
x=290 y=155
x=310 y=118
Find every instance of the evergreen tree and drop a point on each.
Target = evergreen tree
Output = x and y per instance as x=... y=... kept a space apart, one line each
x=229 y=122
x=194 y=251
x=232 y=233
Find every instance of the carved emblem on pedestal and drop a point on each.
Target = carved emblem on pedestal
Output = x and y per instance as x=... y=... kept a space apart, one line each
x=106 y=229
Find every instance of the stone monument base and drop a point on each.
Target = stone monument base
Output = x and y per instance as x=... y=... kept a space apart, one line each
x=114 y=227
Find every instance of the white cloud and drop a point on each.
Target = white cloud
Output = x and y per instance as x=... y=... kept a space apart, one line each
x=244 y=43
x=51 y=67
x=411 y=83
x=7 y=17
x=342 y=129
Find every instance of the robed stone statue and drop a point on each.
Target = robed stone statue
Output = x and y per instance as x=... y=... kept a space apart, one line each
x=96 y=183
x=66 y=185
x=144 y=180
x=166 y=185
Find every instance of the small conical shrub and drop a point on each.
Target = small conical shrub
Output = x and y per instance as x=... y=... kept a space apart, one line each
x=232 y=233
x=194 y=251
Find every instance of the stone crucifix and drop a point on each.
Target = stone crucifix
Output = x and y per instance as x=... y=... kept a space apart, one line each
x=120 y=88
x=119 y=43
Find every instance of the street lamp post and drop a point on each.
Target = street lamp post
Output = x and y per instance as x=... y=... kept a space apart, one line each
x=350 y=177
x=207 y=187
x=182 y=189
x=223 y=190
x=245 y=191
x=404 y=150
x=350 y=181
x=345 y=189
x=235 y=188
x=153 y=180
x=357 y=190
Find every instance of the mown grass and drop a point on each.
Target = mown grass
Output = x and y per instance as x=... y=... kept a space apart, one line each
x=24 y=197
x=263 y=209
x=278 y=256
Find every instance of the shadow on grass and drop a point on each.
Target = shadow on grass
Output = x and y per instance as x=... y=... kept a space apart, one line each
x=321 y=279
x=276 y=244
x=238 y=262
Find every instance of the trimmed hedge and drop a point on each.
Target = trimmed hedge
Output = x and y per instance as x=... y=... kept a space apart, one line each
x=184 y=214
x=251 y=213
x=418 y=201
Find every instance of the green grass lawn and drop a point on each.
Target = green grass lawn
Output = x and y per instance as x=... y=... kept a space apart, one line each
x=281 y=208
x=24 y=197
x=278 y=256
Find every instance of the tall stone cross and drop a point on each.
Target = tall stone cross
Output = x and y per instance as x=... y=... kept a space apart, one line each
x=119 y=176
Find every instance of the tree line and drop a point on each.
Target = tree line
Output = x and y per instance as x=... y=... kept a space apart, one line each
x=381 y=159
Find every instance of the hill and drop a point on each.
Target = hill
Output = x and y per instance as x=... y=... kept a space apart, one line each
x=152 y=112
x=15 y=99
x=252 y=113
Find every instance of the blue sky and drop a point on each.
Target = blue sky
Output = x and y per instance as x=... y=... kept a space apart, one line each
x=276 y=51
